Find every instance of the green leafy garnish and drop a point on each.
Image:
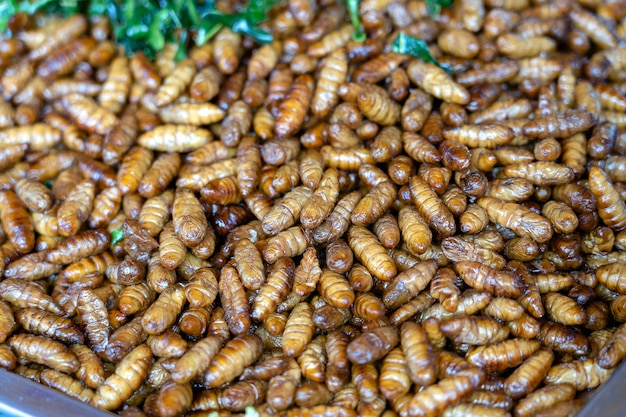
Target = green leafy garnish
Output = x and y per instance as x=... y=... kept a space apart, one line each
x=434 y=6
x=8 y=8
x=147 y=25
x=246 y=21
x=48 y=183
x=117 y=236
x=353 y=9
x=406 y=44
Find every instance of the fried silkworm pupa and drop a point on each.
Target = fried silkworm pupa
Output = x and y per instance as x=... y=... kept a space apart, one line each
x=561 y=125
x=48 y=324
x=408 y=283
x=293 y=109
x=174 y=84
x=543 y=398
x=432 y=208
x=613 y=352
x=234 y=357
x=66 y=384
x=16 y=222
x=437 y=82
x=88 y=115
x=419 y=354
x=517 y=218
x=434 y=399
x=175 y=138
x=190 y=223
x=91 y=371
x=563 y=309
x=68 y=29
x=44 y=351
x=582 y=374
x=7 y=321
x=23 y=294
x=278 y=284
x=133 y=167
x=474 y=330
x=483 y=277
x=174 y=399
x=124 y=339
x=234 y=301
x=249 y=264
x=503 y=355
x=288 y=243
x=164 y=311
x=322 y=200
x=307 y=273
x=196 y=359
x=76 y=207
x=94 y=319
x=371 y=253
x=129 y=374
x=372 y=345
x=75 y=248
x=529 y=374
x=338 y=221
x=611 y=208
x=144 y=72
x=299 y=330
x=34 y=195
x=285 y=213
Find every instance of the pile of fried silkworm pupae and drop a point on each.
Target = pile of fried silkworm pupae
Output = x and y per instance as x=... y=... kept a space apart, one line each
x=319 y=226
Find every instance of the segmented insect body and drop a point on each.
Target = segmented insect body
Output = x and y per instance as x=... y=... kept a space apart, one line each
x=129 y=374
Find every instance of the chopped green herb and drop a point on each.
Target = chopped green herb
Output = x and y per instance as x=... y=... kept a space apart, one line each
x=406 y=44
x=117 y=236
x=147 y=25
x=48 y=183
x=434 y=6
x=353 y=8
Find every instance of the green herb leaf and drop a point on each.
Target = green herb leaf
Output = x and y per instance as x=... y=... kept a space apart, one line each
x=257 y=10
x=48 y=183
x=117 y=236
x=156 y=39
x=206 y=30
x=434 y=6
x=353 y=8
x=181 y=52
x=406 y=44
x=192 y=12
x=7 y=10
x=240 y=23
x=32 y=7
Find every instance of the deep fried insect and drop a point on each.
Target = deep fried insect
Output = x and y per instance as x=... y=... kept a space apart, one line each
x=517 y=218
x=371 y=253
x=197 y=359
x=373 y=345
x=88 y=115
x=234 y=357
x=503 y=355
x=529 y=374
x=449 y=391
x=48 y=324
x=16 y=222
x=293 y=109
x=164 y=311
x=44 y=351
x=234 y=301
x=129 y=374
x=75 y=248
